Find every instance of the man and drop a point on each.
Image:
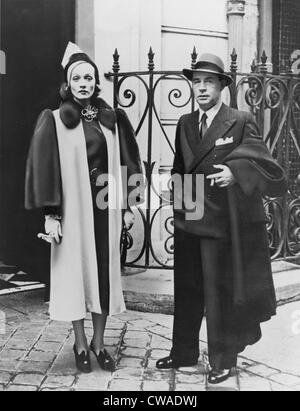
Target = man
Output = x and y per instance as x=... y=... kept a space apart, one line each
x=222 y=261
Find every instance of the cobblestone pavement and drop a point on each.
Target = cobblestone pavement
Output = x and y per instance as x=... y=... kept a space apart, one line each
x=36 y=355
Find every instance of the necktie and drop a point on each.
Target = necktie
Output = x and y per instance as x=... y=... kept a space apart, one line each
x=203 y=126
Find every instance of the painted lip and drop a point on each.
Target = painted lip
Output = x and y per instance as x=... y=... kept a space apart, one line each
x=83 y=92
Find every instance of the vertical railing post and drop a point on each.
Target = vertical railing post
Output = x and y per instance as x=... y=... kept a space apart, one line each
x=116 y=69
x=194 y=56
x=233 y=86
x=149 y=167
x=263 y=68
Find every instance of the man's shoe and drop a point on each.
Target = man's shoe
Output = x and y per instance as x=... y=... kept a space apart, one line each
x=104 y=360
x=168 y=363
x=216 y=376
x=83 y=361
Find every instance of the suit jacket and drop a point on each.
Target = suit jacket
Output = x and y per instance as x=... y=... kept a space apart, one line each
x=247 y=156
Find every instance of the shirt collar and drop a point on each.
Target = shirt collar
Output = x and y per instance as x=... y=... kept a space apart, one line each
x=211 y=113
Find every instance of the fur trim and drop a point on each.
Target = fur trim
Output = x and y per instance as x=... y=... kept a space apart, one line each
x=70 y=114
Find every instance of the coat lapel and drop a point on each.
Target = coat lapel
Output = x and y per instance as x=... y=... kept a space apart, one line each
x=192 y=130
x=219 y=127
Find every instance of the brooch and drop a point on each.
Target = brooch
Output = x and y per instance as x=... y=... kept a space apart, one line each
x=89 y=113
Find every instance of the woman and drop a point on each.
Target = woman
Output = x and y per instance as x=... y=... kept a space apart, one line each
x=72 y=151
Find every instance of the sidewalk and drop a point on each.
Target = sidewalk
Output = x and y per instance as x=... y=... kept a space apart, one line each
x=36 y=353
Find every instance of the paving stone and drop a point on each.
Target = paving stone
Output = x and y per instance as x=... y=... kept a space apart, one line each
x=156 y=386
x=244 y=363
x=98 y=380
x=160 y=330
x=190 y=378
x=197 y=369
x=139 y=325
x=137 y=334
x=34 y=367
x=125 y=385
x=61 y=389
x=40 y=356
x=9 y=365
x=250 y=382
x=5 y=377
x=157 y=354
x=113 y=333
x=12 y=355
x=157 y=375
x=128 y=316
x=132 y=373
x=13 y=387
x=58 y=381
x=28 y=379
x=130 y=362
x=19 y=344
x=281 y=388
x=262 y=370
x=160 y=343
x=110 y=341
x=286 y=379
x=135 y=342
x=134 y=352
x=48 y=346
x=53 y=337
x=190 y=387
x=64 y=364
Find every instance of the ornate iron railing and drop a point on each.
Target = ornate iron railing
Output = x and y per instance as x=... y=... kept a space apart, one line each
x=275 y=102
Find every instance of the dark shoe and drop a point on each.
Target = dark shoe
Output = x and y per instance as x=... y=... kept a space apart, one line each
x=104 y=360
x=217 y=376
x=83 y=361
x=168 y=363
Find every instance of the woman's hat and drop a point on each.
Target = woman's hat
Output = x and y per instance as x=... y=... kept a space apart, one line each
x=208 y=63
x=73 y=57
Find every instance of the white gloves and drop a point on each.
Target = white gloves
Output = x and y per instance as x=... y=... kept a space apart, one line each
x=53 y=227
x=129 y=219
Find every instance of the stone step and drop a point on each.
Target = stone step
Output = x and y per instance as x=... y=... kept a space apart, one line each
x=152 y=291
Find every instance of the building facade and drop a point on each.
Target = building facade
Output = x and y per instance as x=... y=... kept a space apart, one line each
x=33 y=35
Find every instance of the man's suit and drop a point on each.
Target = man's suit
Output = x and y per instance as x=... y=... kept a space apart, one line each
x=222 y=261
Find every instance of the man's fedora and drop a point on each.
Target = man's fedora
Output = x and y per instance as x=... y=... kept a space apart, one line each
x=208 y=63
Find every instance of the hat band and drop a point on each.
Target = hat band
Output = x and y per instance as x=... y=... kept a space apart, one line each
x=208 y=66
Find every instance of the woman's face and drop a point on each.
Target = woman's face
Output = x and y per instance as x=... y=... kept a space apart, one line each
x=83 y=82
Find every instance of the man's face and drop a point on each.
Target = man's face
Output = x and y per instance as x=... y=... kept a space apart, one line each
x=83 y=81
x=207 y=88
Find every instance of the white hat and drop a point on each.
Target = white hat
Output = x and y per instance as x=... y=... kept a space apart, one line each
x=71 y=49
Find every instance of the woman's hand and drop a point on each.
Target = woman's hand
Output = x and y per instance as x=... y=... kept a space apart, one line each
x=53 y=228
x=129 y=219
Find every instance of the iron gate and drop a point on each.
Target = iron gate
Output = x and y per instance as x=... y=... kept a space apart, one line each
x=275 y=102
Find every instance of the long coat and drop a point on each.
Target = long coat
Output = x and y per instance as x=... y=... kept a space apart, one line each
x=236 y=212
x=58 y=176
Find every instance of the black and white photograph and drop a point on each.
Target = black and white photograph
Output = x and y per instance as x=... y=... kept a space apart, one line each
x=149 y=198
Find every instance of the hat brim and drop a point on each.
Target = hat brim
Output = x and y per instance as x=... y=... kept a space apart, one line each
x=188 y=73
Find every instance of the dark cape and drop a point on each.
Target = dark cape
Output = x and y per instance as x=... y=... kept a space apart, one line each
x=43 y=186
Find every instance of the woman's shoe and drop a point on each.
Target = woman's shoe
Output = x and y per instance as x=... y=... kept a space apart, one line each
x=83 y=361
x=104 y=359
x=217 y=376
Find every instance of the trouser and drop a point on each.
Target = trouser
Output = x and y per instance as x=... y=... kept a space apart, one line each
x=203 y=282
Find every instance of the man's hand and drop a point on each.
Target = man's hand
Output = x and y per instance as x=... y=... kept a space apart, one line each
x=223 y=179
